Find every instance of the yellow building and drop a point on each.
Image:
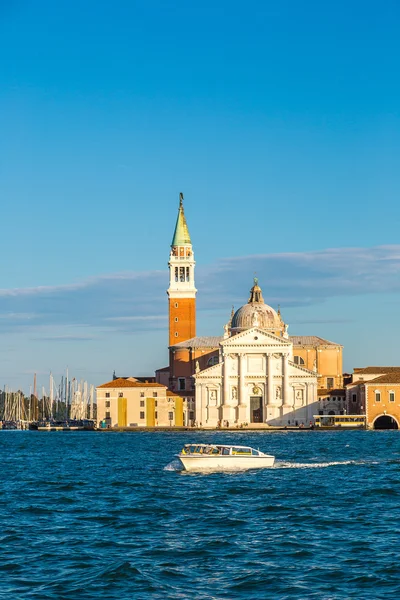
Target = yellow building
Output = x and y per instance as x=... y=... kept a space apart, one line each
x=132 y=403
x=375 y=392
x=322 y=356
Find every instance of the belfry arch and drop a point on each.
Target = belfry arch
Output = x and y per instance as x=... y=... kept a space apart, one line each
x=385 y=422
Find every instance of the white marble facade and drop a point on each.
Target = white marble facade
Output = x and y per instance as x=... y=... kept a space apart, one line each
x=255 y=382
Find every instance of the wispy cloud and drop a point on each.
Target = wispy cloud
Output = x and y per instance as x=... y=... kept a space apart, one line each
x=64 y=338
x=137 y=302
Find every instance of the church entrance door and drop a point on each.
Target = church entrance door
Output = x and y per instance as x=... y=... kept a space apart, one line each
x=256 y=409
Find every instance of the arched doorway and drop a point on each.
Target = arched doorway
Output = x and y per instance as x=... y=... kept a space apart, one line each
x=385 y=422
x=331 y=412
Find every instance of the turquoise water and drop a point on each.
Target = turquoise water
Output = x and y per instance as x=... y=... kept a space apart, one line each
x=107 y=515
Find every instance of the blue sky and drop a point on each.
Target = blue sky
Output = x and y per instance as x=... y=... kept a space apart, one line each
x=278 y=120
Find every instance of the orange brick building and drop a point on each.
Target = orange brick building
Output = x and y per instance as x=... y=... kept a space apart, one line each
x=375 y=392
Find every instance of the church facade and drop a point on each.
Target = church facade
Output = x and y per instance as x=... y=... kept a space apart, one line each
x=255 y=380
x=255 y=373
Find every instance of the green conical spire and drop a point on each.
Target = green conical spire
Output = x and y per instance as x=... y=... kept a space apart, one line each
x=181 y=233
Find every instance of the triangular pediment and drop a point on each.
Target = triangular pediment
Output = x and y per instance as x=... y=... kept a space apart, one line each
x=213 y=371
x=255 y=337
x=300 y=370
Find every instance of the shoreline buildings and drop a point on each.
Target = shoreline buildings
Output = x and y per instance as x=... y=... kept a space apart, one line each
x=255 y=374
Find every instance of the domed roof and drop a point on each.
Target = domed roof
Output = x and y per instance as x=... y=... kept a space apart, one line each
x=256 y=313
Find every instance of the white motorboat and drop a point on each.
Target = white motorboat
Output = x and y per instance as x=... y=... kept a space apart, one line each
x=200 y=457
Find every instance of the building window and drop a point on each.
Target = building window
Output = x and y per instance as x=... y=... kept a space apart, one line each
x=142 y=414
x=176 y=305
x=176 y=319
x=170 y=416
x=187 y=274
x=330 y=382
x=354 y=397
x=191 y=415
x=108 y=415
x=391 y=396
x=181 y=383
x=156 y=415
x=142 y=394
x=377 y=396
x=182 y=274
x=107 y=394
x=213 y=361
x=176 y=276
x=155 y=394
x=108 y=404
x=298 y=360
x=156 y=403
x=120 y=394
x=141 y=403
x=176 y=334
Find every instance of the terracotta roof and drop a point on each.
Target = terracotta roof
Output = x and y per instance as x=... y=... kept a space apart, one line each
x=200 y=342
x=310 y=340
x=126 y=383
x=373 y=370
x=393 y=377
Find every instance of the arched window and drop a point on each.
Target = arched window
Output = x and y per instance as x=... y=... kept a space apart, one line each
x=298 y=360
x=214 y=360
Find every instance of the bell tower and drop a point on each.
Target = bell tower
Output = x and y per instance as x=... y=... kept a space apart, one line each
x=181 y=291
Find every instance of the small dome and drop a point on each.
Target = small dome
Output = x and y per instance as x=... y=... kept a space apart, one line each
x=256 y=314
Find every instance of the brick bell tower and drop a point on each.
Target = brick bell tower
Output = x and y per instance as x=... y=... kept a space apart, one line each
x=181 y=291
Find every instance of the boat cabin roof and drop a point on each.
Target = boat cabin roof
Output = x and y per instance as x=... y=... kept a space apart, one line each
x=219 y=446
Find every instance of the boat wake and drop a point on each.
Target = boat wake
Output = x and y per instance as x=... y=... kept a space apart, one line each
x=320 y=465
x=174 y=465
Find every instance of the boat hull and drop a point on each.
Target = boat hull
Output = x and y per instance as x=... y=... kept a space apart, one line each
x=212 y=463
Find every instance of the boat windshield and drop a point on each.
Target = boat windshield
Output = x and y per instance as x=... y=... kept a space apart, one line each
x=241 y=451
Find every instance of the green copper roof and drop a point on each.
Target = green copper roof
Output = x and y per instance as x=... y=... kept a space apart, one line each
x=181 y=233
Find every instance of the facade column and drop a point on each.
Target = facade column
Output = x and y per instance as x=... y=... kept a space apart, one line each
x=287 y=400
x=242 y=410
x=198 y=405
x=270 y=384
x=225 y=382
x=242 y=388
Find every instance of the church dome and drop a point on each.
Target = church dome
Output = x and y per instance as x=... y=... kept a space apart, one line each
x=256 y=314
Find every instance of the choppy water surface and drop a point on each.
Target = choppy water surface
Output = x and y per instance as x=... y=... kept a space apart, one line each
x=107 y=515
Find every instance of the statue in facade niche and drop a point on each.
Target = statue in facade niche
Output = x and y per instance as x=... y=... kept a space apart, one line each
x=278 y=393
x=234 y=393
x=197 y=367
